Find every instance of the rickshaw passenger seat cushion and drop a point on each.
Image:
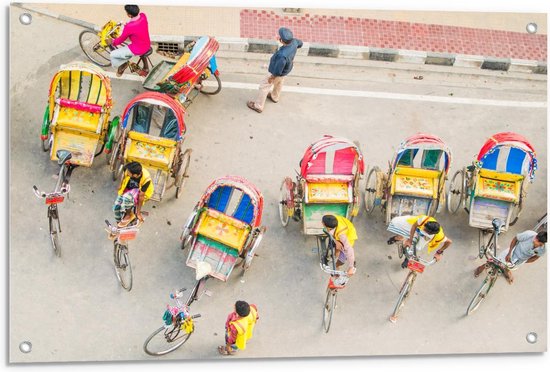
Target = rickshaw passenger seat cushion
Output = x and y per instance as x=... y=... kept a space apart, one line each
x=223 y=228
x=321 y=192
x=414 y=181
x=151 y=151
x=80 y=106
x=498 y=188
x=78 y=119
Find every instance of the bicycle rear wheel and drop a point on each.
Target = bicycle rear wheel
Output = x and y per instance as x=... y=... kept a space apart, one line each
x=89 y=42
x=123 y=268
x=481 y=293
x=403 y=294
x=165 y=340
x=328 y=308
x=211 y=87
x=55 y=229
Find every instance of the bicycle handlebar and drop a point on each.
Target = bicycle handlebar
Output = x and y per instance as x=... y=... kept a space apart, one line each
x=489 y=254
x=330 y=271
x=42 y=194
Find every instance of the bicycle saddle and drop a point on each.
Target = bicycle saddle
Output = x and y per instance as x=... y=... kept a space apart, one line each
x=148 y=53
x=63 y=156
x=497 y=224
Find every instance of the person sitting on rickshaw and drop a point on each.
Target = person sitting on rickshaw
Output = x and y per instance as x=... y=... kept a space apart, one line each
x=428 y=230
x=137 y=30
x=345 y=235
x=135 y=188
x=526 y=247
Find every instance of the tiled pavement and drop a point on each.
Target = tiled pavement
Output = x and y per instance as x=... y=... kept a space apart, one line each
x=378 y=33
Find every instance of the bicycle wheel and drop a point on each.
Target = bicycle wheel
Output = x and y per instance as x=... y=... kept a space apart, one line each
x=165 y=340
x=213 y=88
x=400 y=249
x=183 y=171
x=481 y=293
x=403 y=294
x=516 y=211
x=369 y=197
x=55 y=229
x=541 y=225
x=89 y=42
x=252 y=252
x=328 y=308
x=284 y=200
x=117 y=162
x=455 y=194
x=123 y=268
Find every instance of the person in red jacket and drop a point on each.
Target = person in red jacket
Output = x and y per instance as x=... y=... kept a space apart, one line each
x=137 y=30
x=239 y=327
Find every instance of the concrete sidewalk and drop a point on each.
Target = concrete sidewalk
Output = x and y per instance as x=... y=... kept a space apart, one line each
x=497 y=41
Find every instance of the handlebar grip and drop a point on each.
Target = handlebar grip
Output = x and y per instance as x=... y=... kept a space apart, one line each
x=35 y=188
x=108 y=223
x=195 y=316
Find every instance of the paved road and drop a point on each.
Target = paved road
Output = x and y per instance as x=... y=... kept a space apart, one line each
x=72 y=309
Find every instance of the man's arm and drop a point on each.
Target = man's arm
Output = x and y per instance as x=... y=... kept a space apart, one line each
x=532 y=259
x=349 y=252
x=439 y=252
x=512 y=245
x=408 y=242
x=141 y=199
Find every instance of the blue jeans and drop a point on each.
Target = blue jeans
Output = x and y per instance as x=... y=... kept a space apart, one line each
x=121 y=55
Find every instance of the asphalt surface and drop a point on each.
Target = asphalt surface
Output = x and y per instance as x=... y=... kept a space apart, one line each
x=73 y=309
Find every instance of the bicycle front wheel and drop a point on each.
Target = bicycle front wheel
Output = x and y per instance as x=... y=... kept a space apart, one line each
x=403 y=294
x=481 y=293
x=123 y=268
x=90 y=43
x=55 y=229
x=328 y=308
x=165 y=340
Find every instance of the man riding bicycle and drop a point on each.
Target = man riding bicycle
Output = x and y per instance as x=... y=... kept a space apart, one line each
x=345 y=235
x=526 y=247
x=135 y=188
x=137 y=30
x=427 y=229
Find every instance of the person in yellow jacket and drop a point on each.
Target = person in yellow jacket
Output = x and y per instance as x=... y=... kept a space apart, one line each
x=135 y=188
x=239 y=327
x=426 y=228
x=343 y=231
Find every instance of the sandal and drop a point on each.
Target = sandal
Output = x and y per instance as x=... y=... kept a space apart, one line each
x=223 y=351
x=252 y=106
x=271 y=98
x=391 y=240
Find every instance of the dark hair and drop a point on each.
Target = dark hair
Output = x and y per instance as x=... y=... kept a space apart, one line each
x=242 y=308
x=330 y=221
x=541 y=237
x=432 y=227
x=133 y=167
x=132 y=10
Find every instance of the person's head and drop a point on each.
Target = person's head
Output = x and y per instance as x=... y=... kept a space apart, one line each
x=329 y=221
x=541 y=238
x=431 y=228
x=134 y=168
x=132 y=10
x=285 y=35
x=242 y=308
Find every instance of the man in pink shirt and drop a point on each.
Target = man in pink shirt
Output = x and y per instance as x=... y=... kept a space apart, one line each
x=137 y=30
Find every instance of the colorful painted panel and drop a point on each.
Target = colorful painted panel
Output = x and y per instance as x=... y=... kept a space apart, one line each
x=497 y=189
x=223 y=229
x=313 y=213
x=81 y=145
x=329 y=192
x=410 y=185
x=83 y=120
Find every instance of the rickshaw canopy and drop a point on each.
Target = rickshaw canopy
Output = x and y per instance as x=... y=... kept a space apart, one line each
x=431 y=148
x=158 y=99
x=508 y=152
x=82 y=84
x=332 y=155
x=249 y=206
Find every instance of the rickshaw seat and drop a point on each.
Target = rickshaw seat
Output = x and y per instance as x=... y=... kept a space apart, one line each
x=496 y=185
x=414 y=181
x=331 y=188
x=150 y=151
x=80 y=106
x=71 y=117
x=330 y=178
x=223 y=228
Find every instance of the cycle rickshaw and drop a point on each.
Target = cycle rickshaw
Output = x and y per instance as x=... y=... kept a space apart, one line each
x=495 y=185
x=77 y=115
x=328 y=183
x=152 y=132
x=415 y=181
x=225 y=226
x=184 y=79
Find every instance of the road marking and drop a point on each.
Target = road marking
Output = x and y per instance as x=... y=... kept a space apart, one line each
x=367 y=94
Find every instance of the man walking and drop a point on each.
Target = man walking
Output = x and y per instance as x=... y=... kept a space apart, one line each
x=280 y=65
x=239 y=327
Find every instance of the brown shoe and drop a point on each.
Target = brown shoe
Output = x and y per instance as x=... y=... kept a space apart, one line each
x=271 y=98
x=121 y=69
x=252 y=106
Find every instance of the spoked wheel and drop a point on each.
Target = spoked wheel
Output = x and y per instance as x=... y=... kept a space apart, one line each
x=55 y=229
x=369 y=197
x=213 y=85
x=285 y=201
x=123 y=268
x=400 y=249
x=252 y=252
x=47 y=143
x=403 y=294
x=322 y=250
x=328 y=308
x=183 y=171
x=481 y=293
x=516 y=211
x=456 y=192
x=116 y=163
x=90 y=44
x=165 y=340
x=186 y=236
